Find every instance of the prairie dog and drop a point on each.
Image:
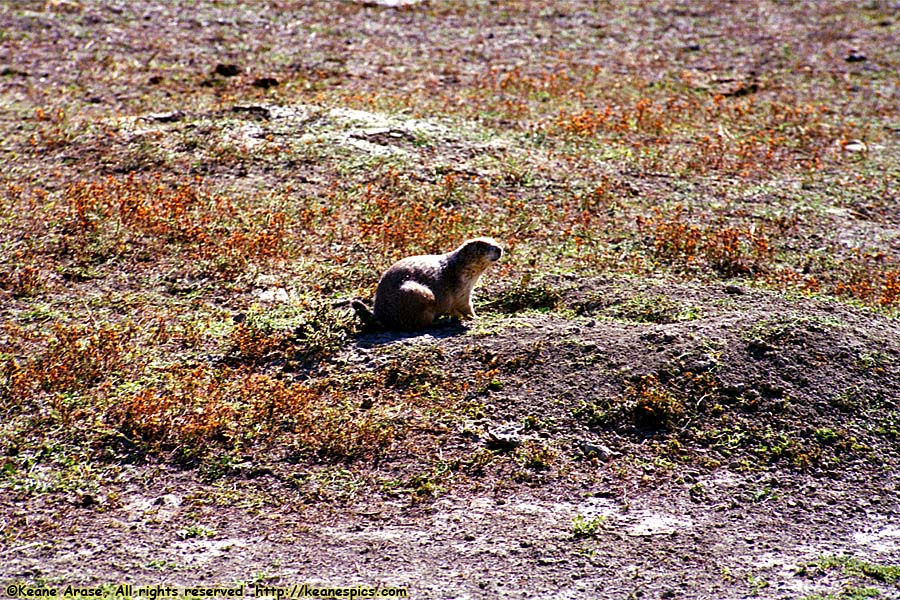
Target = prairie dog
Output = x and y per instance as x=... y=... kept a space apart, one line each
x=417 y=290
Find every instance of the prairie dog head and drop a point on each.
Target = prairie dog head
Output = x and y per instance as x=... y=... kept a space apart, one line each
x=479 y=253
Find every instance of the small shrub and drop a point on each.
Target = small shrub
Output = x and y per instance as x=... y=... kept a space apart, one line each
x=320 y=332
x=728 y=251
x=134 y=215
x=296 y=334
x=197 y=411
x=871 y=278
x=478 y=461
x=851 y=565
x=525 y=296
x=583 y=527
x=536 y=456
x=195 y=531
x=601 y=414
x=417 y=369
x=645 y=404
x=396 y=218
x=827 y=435
x=253 y=343
x=654 y=406
x=653 y=309
x=190 y=414
x=22 y=281
x=75 y=358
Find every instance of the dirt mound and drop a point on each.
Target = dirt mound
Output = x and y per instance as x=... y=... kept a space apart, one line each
x=748 y=378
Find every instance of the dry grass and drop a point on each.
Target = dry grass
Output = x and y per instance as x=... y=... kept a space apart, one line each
x=126 y=248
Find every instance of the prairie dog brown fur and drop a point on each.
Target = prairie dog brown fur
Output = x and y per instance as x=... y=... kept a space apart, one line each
x=417 y=290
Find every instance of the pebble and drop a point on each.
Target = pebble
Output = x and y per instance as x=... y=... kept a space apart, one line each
x=855 y=55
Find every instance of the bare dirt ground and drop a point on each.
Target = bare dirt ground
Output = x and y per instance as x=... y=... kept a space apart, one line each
x=684 y=381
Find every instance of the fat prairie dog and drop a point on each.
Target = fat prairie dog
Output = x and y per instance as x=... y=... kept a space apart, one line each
x=417 y=290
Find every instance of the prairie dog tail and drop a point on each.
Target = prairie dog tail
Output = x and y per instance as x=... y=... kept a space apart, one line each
x=365 y=314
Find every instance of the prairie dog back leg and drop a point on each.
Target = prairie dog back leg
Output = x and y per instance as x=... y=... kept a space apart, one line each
x=417 y=303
